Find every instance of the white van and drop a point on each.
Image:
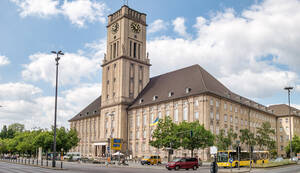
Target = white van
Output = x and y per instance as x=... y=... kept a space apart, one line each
x=72 y=156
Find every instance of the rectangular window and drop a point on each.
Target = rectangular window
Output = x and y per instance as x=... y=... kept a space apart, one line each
x=139 y=51
x=280 y=129
x=211 y=115
x=137 y=134
x=217 y=104
x=225 y=118
x=137 y=121
x=168 y=113
x=130 y=48
x=230 y=108
x=115 y=50
x=217 y=116
x=134 y=50
x=196 y=115
x=225 y=106
x=231 y=118
x=137 y=147
x=196 y=103
x=211 y=128
x=235 y=109
x=211 y=102
x=217 y=130
x=159 y=115
x=144 y=120
x=286 y=120
x=176 y=115
x=144 y=134
x=185 y=114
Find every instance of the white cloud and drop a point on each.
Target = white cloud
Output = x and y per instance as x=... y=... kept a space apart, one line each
x=35 y=110
x=3 y=60
x=79 y=12
x=157 y=25
x=72 y=68
x=40 y=8
x=245 y=51
x=179 y=26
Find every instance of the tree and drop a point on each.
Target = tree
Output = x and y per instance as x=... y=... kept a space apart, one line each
x=16 y=127
x=3 y=133
x=263 y=138
x=223 y=141
x=247 y=138
x=66 y=139
x=164 y=136
x=295 y=145
x=194 y=136
x=3 y=146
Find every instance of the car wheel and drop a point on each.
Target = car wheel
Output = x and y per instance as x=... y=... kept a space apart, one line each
x=148 y=163
x=169 y=169
x=177 y=168
x=142 y=163
x=159 y=162
x=195 y=167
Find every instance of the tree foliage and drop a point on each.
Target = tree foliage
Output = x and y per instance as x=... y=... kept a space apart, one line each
x=27 y=142
x=263 y=138
x=295 y=145
x=224 y=141
x=247 y=137
x=188 y=135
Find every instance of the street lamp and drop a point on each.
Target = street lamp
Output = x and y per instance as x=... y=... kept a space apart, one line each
x=289 y=88
x=55 y=109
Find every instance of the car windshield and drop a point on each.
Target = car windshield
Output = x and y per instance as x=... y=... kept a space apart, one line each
x=176 y=160
x=222 y=157
x=146 y=157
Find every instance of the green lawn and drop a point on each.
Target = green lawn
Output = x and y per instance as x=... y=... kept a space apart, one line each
x=274 y=164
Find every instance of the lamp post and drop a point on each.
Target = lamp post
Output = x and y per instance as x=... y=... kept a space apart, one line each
x=289 y=88
x=55 y=109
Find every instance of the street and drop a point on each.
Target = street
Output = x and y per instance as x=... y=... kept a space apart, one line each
x=90 y=168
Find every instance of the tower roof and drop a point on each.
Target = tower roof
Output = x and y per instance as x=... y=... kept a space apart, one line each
x=91 y=110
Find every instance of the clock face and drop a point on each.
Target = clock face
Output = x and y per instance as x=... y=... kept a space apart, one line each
x=135 y=27
x=115 y=28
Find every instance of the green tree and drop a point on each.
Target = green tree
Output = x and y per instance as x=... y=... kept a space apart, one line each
x=66 y=139
x=16 y=127
x=3 y=146
x=247 y=138
x=44 y=140
x=263 y=136
x=164 y=136
x=3 y=133
x=200 y=137
x=295 y=145
x=224 y=141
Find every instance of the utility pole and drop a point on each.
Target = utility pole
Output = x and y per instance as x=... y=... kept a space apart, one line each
x=55 y=109
x=289 y=88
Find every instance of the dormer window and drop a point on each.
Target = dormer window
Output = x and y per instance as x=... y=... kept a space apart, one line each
x=155 y=98
x=87 y=113
x=188 y=90
x=79 y=114
x=141 y=101
x=171 y=94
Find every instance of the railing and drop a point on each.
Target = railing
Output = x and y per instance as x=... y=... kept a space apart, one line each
x=34 y=162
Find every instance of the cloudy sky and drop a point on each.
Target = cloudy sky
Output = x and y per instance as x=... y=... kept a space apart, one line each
x=253 y=47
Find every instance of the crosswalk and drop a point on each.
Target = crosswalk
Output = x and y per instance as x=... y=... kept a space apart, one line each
x=6 y=167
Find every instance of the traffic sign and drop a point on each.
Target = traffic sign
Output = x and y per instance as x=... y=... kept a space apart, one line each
x=116 y=144
x=108 y=148
x=213 y=150
x=230 y=160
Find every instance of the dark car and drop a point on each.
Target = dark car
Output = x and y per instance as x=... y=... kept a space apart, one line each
x=183 y=163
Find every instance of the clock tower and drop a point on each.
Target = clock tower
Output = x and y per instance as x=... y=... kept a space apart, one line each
x=125 y=69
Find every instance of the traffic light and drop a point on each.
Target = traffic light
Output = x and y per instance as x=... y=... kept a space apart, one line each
x=191 y=133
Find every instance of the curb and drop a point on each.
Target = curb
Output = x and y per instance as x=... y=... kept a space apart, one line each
x=38 y=166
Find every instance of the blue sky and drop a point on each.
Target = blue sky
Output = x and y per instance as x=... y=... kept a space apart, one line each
x=250 y=46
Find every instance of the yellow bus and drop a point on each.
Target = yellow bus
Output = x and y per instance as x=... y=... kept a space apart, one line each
x=258 y=157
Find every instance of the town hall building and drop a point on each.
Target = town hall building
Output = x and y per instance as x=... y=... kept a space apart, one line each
x=131 y=100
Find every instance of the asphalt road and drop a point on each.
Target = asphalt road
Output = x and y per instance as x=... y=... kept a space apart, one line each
x=84 y=168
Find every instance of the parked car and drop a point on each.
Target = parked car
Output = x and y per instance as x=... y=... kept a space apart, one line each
x=151 y=160
x=183 y=163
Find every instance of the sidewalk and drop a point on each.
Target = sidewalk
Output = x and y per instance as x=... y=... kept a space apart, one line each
x=235 y=170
